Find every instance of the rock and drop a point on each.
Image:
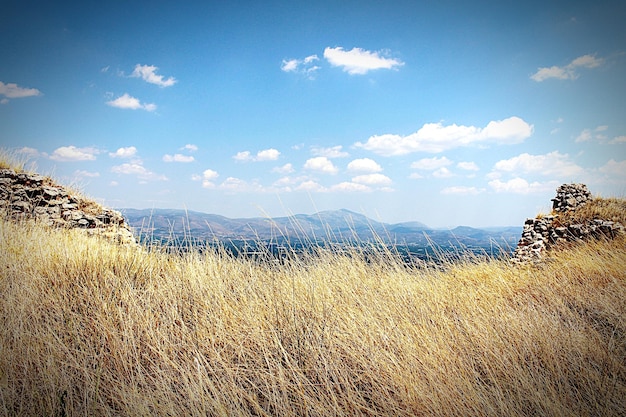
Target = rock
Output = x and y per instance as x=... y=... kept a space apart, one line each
x=570 y=196
x=24 y=195
x=543 y=232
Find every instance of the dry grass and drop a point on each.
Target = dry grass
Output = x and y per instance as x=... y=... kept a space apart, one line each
x=613 y=209
x=12 y=160
x=90 y=328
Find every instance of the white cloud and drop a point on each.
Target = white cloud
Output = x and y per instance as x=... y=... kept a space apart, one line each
x=584 y=136
x=242 y=156
x=86 y=174
x=359 y=61
x=267 y=155
x=301 y=66
x=321 y=164
x=310 y=186
x=189 y=147
x=332 y=152
x=349 y=187
x=521 y=186
x=442 y=172
x=29 y=152
x=207 y=178
x=364 y=165
x=589 y=134
x=136 y=168
x=462 y=190
x=72 y=153
x=431 y=163
x=290 y=65
x=435 y=137
x=416 y=176
x=264 y=155
x=129 y=102
x=550 y=164
x=178 y=158
x=12 y=90
x=372 y=179
x=568 y=72
x=148 y=74
x=127 y=152
x=614 y=169
x=285 y=169
x=468 y=166
x=233 y=184
x=618 y=139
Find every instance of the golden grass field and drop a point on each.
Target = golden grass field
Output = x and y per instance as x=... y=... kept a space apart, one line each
x=89 y=327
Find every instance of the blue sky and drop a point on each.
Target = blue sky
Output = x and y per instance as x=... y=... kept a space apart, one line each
x=445 y=112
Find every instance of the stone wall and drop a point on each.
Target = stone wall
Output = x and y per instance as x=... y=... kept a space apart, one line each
x=28 y=195
x=543 y=232
x=570 y=197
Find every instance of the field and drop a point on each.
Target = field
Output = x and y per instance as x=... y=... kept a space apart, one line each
x=93 y=328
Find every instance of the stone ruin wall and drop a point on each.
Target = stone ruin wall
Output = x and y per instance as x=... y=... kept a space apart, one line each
x=543 y=232
x=28 y=195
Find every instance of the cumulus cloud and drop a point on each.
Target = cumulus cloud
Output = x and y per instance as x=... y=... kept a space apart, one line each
x=332 y=152
x=349 y=187
x=178 y=158
x=360 y=61
x=310 y=186
x=468 y=166
x=72 y=153
x=372 y=179
x=442 y=172
x=207 y=178
x=148 y=74
x=127 y=101
x=136 y=168
x=567 y=72
x=592 y=134
x=521 y=186
x=264 y=155
x=550 y=164
x=127 y=152
x=364 y=165
x=29 y=152
x=242 y=156
x=614 y=169
x=12 y=90
x=189 y=147
x=462 y=190
x=618 y=139
x=435 y=137
x=86 y=174
x=285 y=169
x=304 y=66
x=267 y=155
x=429 y=164
x=321 y=164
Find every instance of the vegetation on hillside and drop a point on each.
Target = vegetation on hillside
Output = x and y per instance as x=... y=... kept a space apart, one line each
x=93 y=328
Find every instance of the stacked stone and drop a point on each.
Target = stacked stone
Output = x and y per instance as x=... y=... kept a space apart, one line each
x=570 y=197
x=541 y=233
x=535 y=239
x=26 y=195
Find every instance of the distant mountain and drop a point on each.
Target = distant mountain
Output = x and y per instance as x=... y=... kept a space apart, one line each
x=334 y=226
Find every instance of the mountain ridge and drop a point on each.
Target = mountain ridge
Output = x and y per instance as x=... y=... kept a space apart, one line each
x=325 y=226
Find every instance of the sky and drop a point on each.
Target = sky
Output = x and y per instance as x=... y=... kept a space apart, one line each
x=444 y=112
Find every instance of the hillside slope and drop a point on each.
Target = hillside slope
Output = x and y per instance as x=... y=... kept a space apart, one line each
x=91 y=327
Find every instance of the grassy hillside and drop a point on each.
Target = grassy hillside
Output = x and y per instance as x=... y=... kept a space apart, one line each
x=91 y=328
